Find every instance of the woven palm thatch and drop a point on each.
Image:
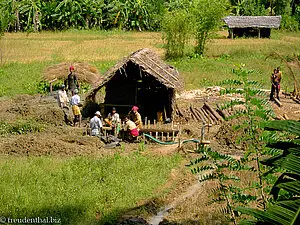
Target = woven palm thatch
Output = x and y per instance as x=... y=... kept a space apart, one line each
x=85 y=72
x=148 y=62
x=253 y=21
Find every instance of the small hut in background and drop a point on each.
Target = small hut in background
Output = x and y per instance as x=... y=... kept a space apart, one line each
x=141 y=79
x=251 y=26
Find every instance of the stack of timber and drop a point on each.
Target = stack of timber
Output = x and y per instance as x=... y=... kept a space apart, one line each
x=205 y=114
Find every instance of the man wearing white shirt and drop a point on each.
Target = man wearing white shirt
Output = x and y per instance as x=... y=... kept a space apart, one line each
x=75 y=101
x=62 y=98
x=96 y=124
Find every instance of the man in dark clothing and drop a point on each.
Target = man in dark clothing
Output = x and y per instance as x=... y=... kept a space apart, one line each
x=275 y=79
x=71 y=82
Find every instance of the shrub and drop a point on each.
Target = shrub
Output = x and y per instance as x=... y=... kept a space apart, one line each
x=176 y=32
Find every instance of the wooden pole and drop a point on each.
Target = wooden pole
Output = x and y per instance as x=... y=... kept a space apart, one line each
x=213 y=112
x=278 y=102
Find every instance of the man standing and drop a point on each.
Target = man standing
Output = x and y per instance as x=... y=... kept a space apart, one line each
x=96 y=124
x=275 y=79
x=71 y=82
x=113 y=120
x=135 y=116
x=62 y=98
x=75 y=101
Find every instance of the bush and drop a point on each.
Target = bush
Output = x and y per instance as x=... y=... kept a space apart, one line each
x=176 y=32
x=20 y=127
x=289 y=23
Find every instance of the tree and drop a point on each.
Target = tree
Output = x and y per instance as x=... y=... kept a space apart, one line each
x=207 y=16
x=176 y=32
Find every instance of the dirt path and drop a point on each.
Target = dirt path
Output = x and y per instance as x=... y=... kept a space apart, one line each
x=190 y=192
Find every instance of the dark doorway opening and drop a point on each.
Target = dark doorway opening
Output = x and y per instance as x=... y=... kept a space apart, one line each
x=133 y=86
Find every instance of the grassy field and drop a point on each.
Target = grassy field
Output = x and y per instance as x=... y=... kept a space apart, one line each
x=79 y=190
x=25 y=57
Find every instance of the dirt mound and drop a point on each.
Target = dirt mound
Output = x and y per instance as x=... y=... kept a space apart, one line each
x=48 y=143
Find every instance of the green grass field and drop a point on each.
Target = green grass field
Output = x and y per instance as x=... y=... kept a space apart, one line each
x=80 y=189
x=25 y=57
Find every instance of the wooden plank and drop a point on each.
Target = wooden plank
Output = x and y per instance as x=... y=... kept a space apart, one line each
x=213 y=111
x=200 y=114
x=278 y=102
x=295 y=99
x=210 y=115
x=285 y=117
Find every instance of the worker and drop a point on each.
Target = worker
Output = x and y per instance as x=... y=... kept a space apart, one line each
x=135 y=116
x=275 y=80
x=71 y=82
x=96 y=124
x=131 y=127
x=75 y=102
x=113 y=120
x=62 y=97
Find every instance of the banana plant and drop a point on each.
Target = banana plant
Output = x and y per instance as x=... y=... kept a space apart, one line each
x=286 y=207
x=69 y=14
x=31 y=11
x=10 y=14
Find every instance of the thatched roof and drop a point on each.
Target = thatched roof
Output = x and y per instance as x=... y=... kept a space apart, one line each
x=149 y=62
x=253 y=21
x=85 y=72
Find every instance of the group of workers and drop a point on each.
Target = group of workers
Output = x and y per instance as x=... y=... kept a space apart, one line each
x=133 y=123
x=71 y=85
x=275 y=80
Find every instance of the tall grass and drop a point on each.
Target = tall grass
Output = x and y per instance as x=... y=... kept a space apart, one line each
x=79 y=190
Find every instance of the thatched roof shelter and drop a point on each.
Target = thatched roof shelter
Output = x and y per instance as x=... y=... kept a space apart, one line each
x=258 y=23
x=253 y=21
x=85 y=72
x=141 y=79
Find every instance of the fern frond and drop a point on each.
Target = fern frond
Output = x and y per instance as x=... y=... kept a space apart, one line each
x=201 y=169
x=206 y=177
x=230 y=82
x=231 y=91
x=198 y=160
x=230 y=104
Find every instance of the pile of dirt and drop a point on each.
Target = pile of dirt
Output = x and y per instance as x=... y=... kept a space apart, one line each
x=66 y=142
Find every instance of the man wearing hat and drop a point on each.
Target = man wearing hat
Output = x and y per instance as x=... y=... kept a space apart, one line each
x=71 y=82
x=135 y=116
x=96 y=124
x=113 y=120
x=75 y=101
x=62 y=98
